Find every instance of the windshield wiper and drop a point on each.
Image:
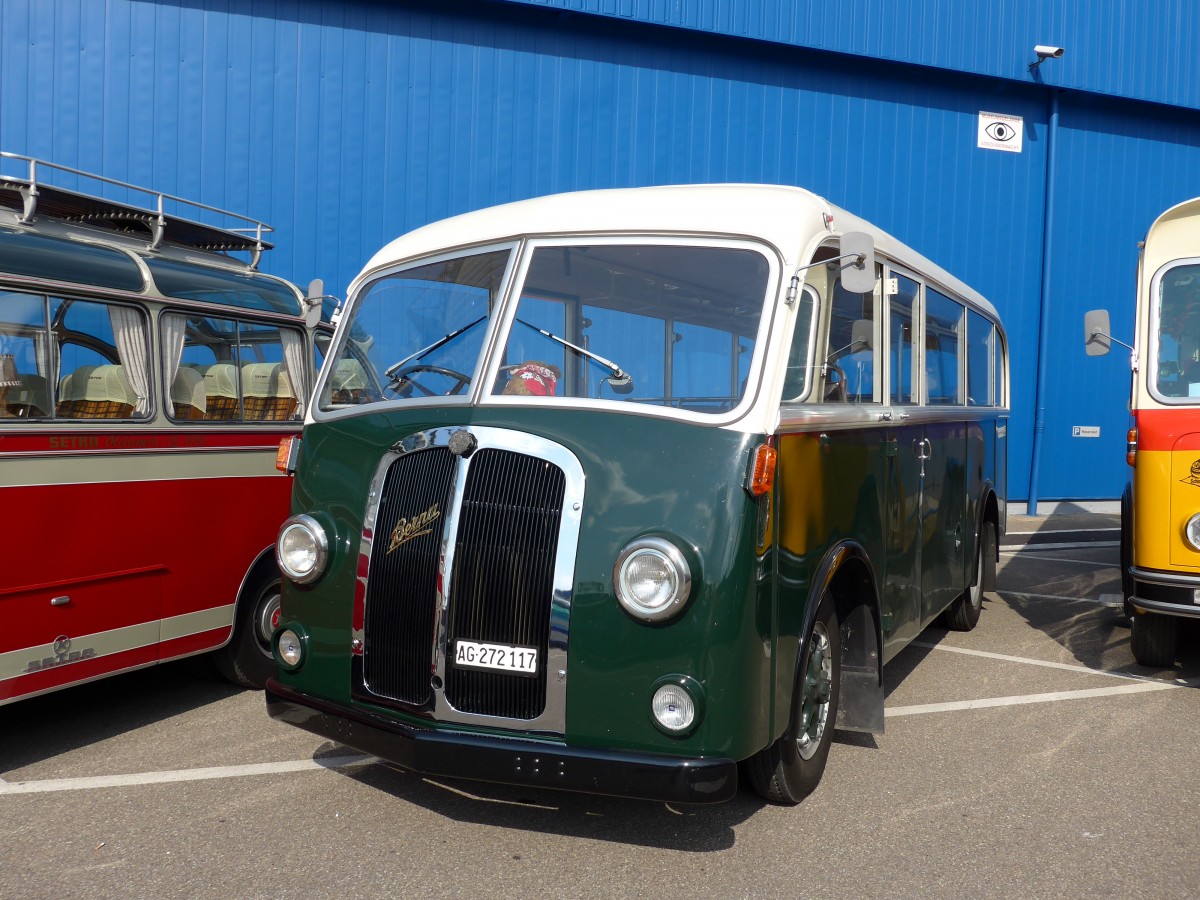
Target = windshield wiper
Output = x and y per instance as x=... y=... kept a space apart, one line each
x=440 y=342
x=620 y=380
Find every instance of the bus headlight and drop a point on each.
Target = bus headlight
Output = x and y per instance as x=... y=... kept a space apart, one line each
x=652 y=579
x=302 y=549
x=1191 y=531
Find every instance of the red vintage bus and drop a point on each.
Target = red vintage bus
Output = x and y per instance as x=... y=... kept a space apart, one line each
x=148 y=374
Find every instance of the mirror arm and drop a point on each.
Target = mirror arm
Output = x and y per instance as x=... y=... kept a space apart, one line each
x=860 y=260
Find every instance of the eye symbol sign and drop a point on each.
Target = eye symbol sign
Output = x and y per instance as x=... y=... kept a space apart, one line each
x=999 y=131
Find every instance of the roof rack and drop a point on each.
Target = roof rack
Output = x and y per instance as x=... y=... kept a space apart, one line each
x=28 y=197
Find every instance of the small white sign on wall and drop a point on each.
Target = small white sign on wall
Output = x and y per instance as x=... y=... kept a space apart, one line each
x=1000 y=132
x=1085 y=431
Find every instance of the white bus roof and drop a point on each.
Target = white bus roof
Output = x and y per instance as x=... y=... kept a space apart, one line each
x=788 y=218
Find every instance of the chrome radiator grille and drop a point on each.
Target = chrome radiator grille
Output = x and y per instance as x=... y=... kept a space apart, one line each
x=470 y=547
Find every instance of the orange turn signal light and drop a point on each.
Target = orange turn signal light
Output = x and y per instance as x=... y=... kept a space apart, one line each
x=762 y=470
x=1131 y=446
x=288 y=454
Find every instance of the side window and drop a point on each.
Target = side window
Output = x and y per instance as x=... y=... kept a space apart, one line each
x=795 y=384
x=943 y=330
x=981 y=350
x=901 y=359
x=849 y=363
x=26 y=361
x=103 y=364
x=220 y=369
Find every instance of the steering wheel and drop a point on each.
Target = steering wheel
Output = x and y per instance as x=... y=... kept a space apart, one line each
x=404 y=382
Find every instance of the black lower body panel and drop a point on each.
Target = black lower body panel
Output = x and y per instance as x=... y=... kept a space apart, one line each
x=507 y=760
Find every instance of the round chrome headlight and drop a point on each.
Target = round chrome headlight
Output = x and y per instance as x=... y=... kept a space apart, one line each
x=1191 y=531
x=302 y=549
x=652 y=579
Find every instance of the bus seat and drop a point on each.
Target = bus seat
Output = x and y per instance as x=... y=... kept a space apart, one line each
x=30 y=398
x=187 y=394
x=347 y=382
x=268 y=391
x=96 y=392
x=220 y=391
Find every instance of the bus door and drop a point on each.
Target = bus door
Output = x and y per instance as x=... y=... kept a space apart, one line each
x=907 y=457
x=944 y=530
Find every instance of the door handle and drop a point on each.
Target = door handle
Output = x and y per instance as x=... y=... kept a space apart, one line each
x=922 y=448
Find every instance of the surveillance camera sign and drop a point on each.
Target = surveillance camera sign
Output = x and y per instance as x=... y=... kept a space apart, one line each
x=1000 y=132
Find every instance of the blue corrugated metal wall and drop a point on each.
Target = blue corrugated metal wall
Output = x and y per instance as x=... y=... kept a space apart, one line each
x=1144 y=50
x=346 y=124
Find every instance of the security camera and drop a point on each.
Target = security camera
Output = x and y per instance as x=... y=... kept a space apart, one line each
x=1044 y=52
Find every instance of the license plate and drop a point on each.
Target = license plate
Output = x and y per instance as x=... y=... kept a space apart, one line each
x=472 y=655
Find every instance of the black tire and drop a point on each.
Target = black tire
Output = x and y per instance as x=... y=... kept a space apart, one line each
x=1154 y=640
x=247 y=660
x=963 y=613
x=790 y=769
x=1126 y=552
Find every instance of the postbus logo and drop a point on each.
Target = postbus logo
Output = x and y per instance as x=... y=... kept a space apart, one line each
x=418 y=525
x=1194 y=477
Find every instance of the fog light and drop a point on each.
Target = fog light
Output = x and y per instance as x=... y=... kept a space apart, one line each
x=677 y=704
x=289 y=648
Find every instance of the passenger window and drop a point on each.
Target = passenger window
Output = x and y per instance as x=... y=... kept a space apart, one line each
x=25 y=363
x=981 y=345
x=795 y=384
x=222 y=369
x=103 y=367
x=943 y=326
x=901 y=359
x=849 y=373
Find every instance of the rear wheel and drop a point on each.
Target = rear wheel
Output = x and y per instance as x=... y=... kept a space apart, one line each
x=790 y=769
x=247 y=660
x=963 y=613
x=1154 y=639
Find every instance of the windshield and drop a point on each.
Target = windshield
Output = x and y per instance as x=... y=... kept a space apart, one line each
x=417 y=333
x=1177 y=373
x=657 y=324
x=653 y=323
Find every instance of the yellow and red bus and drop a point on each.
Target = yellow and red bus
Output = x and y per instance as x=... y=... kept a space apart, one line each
x=1160 y=507
x=148 y=372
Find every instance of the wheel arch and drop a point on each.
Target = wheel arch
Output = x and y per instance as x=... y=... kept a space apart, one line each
x=847 y=572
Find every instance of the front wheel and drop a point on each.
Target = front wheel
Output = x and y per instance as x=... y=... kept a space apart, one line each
x=790 y=769
x=1154 y=640
x=247 y=660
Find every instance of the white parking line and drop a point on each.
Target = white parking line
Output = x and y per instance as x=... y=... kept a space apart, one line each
x=1030 y=596
x=1070 y=667
x=177 y=775
x=1052 y=697
x=1057 y=559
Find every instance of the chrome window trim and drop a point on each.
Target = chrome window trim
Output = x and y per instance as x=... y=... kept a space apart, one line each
x=1150 y=364
x=554 y=668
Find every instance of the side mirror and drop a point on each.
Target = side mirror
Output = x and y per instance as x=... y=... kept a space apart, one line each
x=858 y=270
x=1097 y=337
x=312 y=302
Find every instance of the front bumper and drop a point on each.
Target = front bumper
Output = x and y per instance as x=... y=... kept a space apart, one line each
x=1165 y=593
x=507 y=760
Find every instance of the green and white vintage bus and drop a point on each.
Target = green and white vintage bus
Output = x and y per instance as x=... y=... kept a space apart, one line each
x=617 y=491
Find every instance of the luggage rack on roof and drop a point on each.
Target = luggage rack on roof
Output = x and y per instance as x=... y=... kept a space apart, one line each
x=28 y=197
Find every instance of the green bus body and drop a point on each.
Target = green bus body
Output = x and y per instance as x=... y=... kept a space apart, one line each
x=869 y=523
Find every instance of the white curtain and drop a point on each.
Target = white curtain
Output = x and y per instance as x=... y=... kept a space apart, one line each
x=174 y=329
x=294 y=358
x=130 y=338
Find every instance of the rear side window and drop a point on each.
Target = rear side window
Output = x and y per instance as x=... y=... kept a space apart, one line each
x=943 y=344
x=230 y=370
